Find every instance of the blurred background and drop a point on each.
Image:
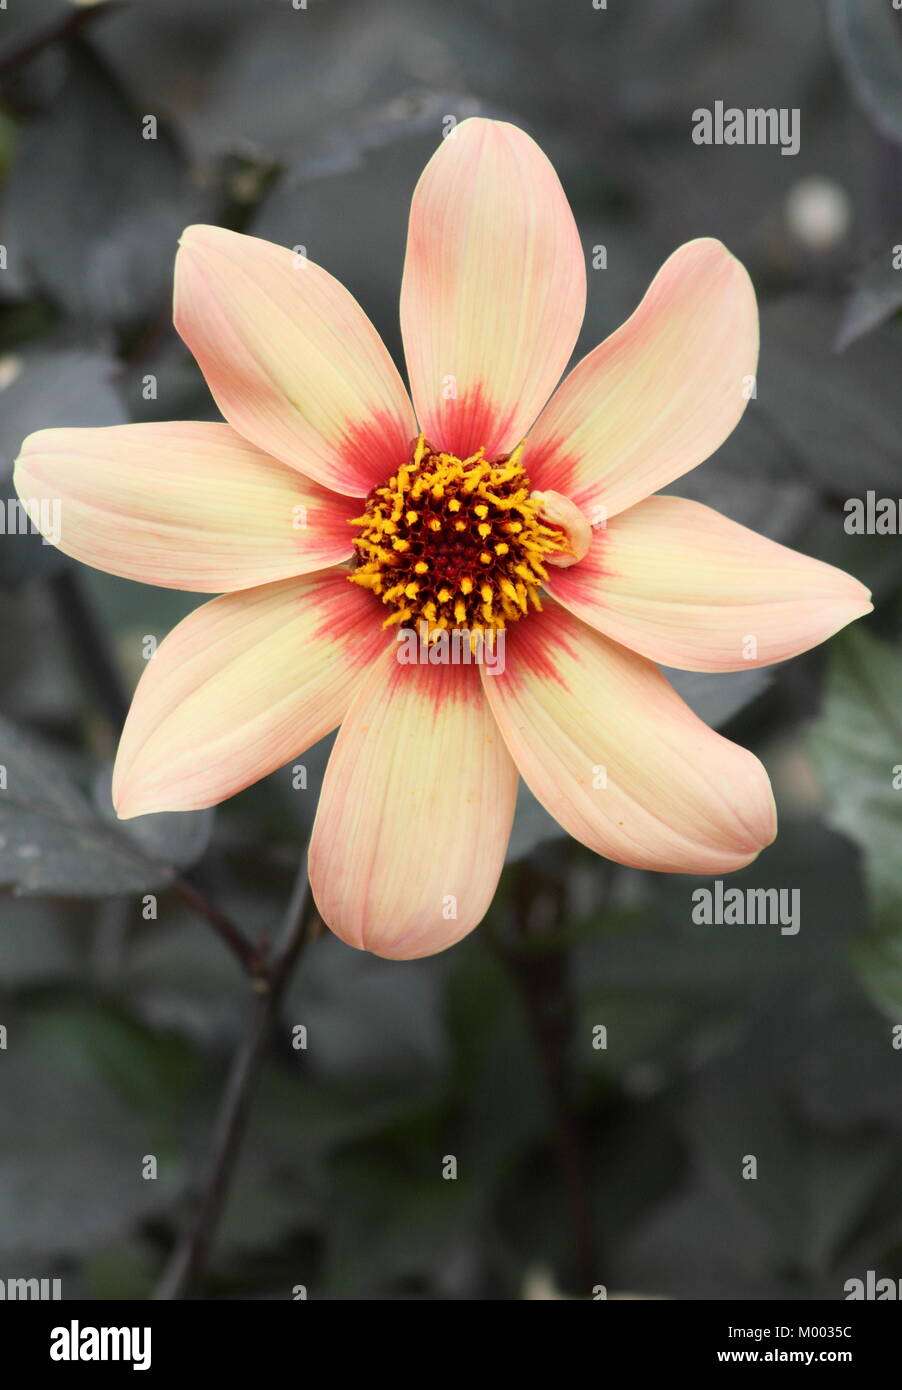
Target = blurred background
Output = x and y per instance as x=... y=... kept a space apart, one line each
x=577 y=1164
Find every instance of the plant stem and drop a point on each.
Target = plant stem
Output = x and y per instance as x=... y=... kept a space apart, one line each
x=191 y=1250
x=542 y=981
x=247 y=953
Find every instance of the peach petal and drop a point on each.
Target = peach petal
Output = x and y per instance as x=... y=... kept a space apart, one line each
x=242 y=685
x=494 y=288
x=612 y=752
x=415 y=813
x=660 y=394
x=292 y=361
x=184 y=505
x=681 y=584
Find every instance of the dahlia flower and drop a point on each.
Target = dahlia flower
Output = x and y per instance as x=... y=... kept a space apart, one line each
x=334 y=515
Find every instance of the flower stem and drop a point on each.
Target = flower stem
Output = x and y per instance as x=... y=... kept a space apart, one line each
x=192 y=1247
x=543 y=990
x=249 y=955
x=541 y=978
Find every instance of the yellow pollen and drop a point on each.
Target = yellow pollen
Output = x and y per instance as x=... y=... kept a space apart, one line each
x=422 y=535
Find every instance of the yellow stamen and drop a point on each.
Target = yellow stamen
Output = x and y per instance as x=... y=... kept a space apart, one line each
x=423 y=567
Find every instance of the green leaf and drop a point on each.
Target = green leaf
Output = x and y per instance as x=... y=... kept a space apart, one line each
x=868 y=39
x=52 y=840
x=857 y=744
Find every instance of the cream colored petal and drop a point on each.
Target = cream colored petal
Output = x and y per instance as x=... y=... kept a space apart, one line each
x=187 y=505
x=292 y=361
x=415 y=812
x=494 y=288
x=660 y=394
x=681 y=584
x=614 y=754
x=242 y=685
